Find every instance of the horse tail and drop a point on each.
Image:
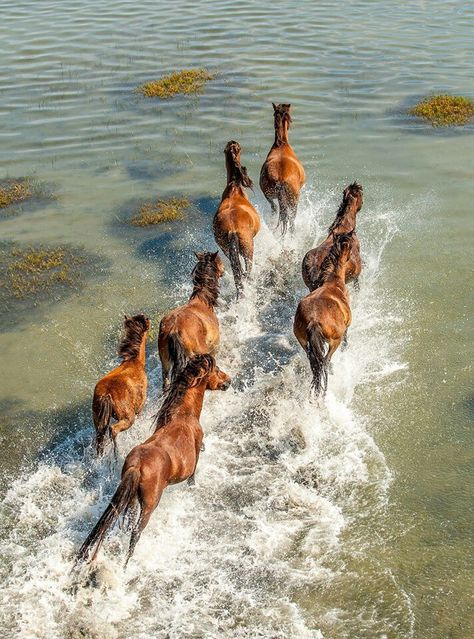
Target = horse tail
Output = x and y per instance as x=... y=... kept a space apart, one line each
x=315 y=350
x=123 y=497
x=102 y=409
x=177 y=354
x=234 y=257
x=285 y=199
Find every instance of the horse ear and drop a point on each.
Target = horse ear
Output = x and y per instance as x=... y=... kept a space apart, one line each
x=199 y=255
x=274 y=106
x=288 y=106
x=126 y=317
x=214 y=255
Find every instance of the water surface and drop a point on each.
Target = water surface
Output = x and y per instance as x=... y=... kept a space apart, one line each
x=349 y=519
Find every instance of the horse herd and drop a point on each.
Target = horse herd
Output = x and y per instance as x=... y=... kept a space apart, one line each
x=189 y=335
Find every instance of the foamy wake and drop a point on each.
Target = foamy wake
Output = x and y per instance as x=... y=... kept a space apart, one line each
x=274 y=540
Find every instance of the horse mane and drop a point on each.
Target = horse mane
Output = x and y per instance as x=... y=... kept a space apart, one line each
x=134 y=327
x=206 y=279
x=281 y=115
x=354 y=190
x=195 y=370
x=331 y=260
x=239 y=175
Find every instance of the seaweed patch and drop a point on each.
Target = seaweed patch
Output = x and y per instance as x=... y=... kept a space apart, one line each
x=184 y=82
x=16 y=191
x=444 y=110
x=13 y=192
x=28 y=271
x=161 y=211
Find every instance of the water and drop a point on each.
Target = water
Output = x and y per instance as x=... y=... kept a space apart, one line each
x=347 y=519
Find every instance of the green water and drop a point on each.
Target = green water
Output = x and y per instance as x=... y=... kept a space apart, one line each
x=390 y=550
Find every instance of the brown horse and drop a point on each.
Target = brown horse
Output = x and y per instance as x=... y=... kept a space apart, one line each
x=169 y=456
x=323 y=316
x=121 y=394
x=192 y=329
x=344 y=222
x=236 y=222
x=282 y=174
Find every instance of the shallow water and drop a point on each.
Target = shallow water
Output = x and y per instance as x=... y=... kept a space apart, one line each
x=352 y=518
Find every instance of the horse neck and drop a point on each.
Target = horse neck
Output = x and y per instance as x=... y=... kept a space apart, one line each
x=204 y=296
x=193 y=400
x=348 y=220
x=281 y=133
x=232 y=189
x=233 y=174
x=142 y=350
x=339 y=274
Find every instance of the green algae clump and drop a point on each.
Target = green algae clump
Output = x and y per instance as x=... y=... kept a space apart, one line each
x=33 y=270
x=184 y=82
x=13 y=192
x=444 y=110
x=161 y=211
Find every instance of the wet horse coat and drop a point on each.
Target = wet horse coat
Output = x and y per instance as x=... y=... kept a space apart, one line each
x=121 y=394
x=324 y=315
x=236 y=221
x=193 y=328
x=344 y=222
x=169 y=456
x=282 y=175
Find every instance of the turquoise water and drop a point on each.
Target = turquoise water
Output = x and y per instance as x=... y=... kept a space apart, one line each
x=348 y=519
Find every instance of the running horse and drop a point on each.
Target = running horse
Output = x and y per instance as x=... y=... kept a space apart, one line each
x=236 y=221
x=192 y=329
x=169 y=456
x=344 y=222
x=121 y=394
x=282 y=175
x=324 y=315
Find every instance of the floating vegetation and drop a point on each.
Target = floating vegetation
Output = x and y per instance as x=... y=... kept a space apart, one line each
x=445 y=110
x=31 y=275
x=32 y=270
x=14 y=191
x=161 y=211
x=185 y=82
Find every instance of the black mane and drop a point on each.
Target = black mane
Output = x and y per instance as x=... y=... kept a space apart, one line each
x=281 y=115
x=239 y=175
x=206 y=279
x=194 y=371
x=134 y=327
x=354 y=190
x=331 y=260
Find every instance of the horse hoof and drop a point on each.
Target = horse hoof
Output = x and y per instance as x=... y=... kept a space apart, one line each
x=191 y=481
x=203 y=447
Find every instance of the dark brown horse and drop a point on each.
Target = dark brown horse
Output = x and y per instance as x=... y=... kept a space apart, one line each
x=323 y=316
x=236 y=222
x=344 y=222
x=282 y=174
x=193 y=328
x=169 y=456
x=121 y=394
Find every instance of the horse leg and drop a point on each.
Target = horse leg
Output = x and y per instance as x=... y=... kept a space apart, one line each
x=344 y=344
x=148 y=503
x=333 y=346
x=115 y=429
x=247 y=254
x=191 y=480
x=356 y=284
